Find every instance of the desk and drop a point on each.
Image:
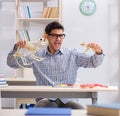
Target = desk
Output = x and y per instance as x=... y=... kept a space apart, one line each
x=53 y=92
x=21 y=81
x=19 y=112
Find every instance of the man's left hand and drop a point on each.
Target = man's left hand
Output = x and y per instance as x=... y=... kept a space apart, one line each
x=96 y=47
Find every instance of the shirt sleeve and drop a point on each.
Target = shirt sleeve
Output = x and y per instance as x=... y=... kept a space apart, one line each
x=18 y=62
x=87 y=61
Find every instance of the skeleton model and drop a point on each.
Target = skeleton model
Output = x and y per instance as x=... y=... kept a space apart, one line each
x=86 y=45
x=31 y=48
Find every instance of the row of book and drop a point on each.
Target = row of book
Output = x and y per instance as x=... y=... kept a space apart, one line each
x=36 y=111
x=23 y=34
x=24 y=11
x=50 y=12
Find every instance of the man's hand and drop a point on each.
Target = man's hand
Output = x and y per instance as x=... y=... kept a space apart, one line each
x=97 y=48
x=21 y=44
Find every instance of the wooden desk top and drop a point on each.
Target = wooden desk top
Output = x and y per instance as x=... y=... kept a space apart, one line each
x=57 y=89
x=21 y=112
x=53 y=92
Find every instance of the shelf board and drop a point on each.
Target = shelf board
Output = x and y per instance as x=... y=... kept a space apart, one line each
x=24 y=0
x=7 y=0
x=34 y=0
x=38 y=19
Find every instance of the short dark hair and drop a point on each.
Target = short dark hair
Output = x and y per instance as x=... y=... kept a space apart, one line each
x=53 y=25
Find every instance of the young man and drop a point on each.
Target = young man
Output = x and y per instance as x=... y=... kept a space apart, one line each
x=59 y=65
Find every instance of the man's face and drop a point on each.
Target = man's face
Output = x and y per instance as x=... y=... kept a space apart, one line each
x=55 y=39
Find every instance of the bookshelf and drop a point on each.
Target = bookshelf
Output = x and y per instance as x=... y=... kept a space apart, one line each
x=32 y=16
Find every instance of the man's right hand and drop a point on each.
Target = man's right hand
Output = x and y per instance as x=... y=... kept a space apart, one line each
x=21 y=44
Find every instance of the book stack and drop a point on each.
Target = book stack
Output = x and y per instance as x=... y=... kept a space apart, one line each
x=23 y=34
x=3 y=83
x=112 y=109
x=24 y=11
x=48 y=112
x=50 y=12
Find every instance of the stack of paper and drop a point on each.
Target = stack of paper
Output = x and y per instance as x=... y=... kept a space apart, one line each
x=48 y=112
x=3 y=83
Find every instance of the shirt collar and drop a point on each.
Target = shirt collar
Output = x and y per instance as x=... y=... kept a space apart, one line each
x=60 y=51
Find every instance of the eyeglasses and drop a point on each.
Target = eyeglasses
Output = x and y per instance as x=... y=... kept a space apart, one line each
x=55 y=36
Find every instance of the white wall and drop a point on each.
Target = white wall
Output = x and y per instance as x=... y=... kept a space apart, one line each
x=7 y=38
x=7 y=35
x=101 y=27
